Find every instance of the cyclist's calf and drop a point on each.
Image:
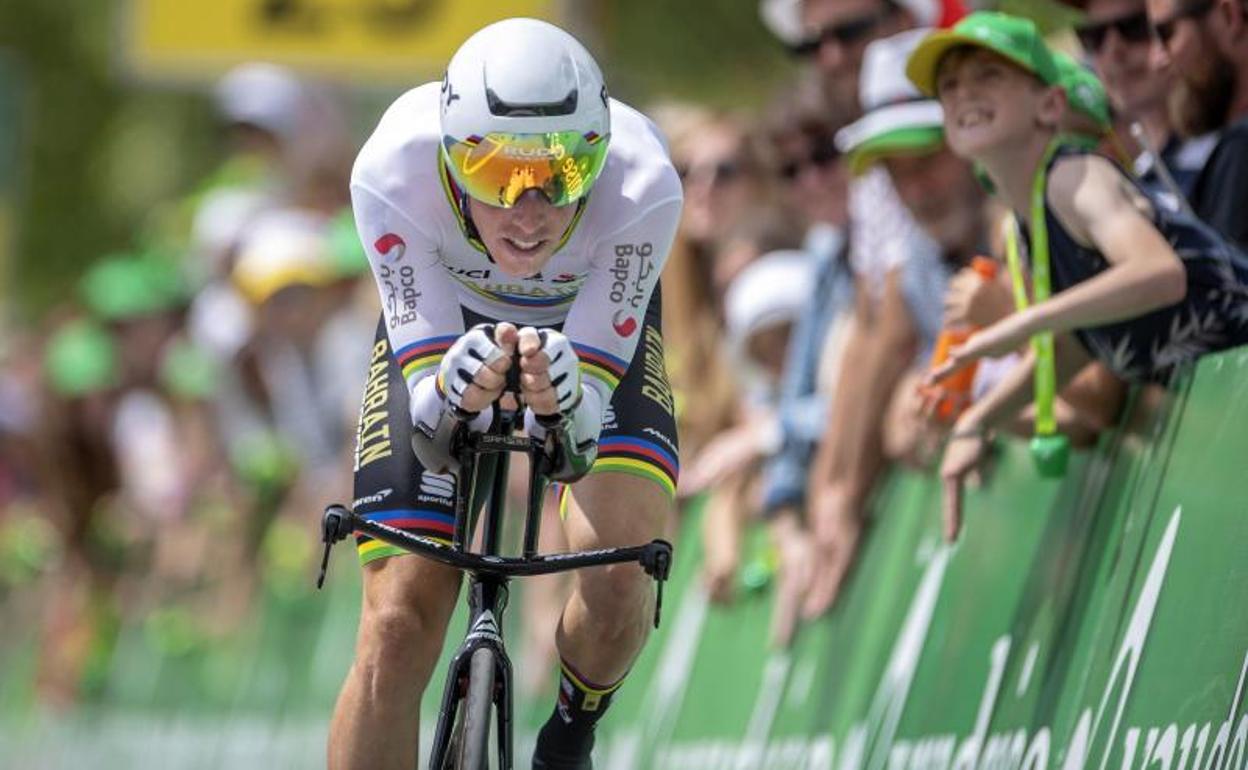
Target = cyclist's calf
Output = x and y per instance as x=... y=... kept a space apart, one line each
x=611 y=610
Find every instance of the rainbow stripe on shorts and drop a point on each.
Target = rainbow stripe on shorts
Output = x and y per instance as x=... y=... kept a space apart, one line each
x=434 y=525
x=638 y=457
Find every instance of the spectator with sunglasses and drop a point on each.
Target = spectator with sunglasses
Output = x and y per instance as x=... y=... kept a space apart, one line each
x=1206 y=43
x=1117 y=39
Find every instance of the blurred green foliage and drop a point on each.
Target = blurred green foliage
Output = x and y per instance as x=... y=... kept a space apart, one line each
x=97 y=154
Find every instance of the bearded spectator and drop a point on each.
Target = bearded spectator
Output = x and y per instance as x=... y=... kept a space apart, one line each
x=1206 y=43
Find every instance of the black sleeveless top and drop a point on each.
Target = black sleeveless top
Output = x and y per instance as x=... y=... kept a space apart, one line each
x=1213 y=316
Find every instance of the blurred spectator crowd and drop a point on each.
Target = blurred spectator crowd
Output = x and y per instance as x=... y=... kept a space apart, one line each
x=169 y=437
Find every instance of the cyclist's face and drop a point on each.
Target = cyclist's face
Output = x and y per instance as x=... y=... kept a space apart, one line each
x=523 y=238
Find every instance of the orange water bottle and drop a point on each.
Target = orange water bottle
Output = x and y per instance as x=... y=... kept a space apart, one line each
x=952 y=395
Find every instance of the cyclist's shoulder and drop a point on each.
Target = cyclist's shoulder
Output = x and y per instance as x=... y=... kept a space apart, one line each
x=639 y=173
x=402 y=150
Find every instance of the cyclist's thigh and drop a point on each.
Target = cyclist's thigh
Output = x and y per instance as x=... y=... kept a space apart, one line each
x=628 y=495
x=393 y=488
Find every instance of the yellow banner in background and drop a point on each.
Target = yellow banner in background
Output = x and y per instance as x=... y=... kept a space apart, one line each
x=353 y=39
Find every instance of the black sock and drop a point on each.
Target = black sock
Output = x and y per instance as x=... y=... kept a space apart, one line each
x=581 y=703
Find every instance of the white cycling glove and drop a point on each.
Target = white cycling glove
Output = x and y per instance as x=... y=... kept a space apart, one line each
x=437 y=402
x=564 y=370
x=463 y=360
x=571 y=435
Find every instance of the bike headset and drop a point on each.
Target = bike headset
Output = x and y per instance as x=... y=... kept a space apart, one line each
x=523 y=106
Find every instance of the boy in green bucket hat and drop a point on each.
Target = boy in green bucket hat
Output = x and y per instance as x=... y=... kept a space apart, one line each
x=1133 y=283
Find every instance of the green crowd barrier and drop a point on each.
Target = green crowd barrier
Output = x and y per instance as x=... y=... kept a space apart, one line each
x=1093 y=622
x=1096 y=621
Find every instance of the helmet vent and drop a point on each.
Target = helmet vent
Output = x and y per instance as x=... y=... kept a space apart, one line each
x=565 y=106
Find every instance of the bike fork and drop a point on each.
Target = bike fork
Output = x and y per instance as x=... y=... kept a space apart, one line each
x=487 y=598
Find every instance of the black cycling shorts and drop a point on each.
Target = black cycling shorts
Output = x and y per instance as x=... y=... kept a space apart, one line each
x=638 y=437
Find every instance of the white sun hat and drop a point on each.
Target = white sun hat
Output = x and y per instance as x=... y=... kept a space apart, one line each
x=784 y=17
x=264 y=95
x=898 y=120
x=771 y=290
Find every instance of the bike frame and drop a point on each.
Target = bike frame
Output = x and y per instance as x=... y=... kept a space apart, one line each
x=490 y=573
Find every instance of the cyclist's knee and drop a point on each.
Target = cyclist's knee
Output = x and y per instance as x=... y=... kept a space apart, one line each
x=616 y=595
x=407 y=606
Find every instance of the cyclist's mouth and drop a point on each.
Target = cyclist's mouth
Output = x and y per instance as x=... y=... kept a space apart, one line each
x=523 y=246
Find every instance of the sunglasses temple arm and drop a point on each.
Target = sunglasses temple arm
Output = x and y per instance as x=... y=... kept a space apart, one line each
x=1141 y=138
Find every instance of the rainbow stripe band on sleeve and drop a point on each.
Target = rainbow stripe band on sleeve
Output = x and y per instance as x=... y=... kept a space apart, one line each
x=601 y=365
x=434 y=525
x=417 y=358
x=638 y=457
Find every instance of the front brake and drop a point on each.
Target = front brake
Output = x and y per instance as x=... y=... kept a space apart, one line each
x=335 y=526
x=656 y=560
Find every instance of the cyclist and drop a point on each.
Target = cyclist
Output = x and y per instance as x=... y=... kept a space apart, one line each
x=489 y=202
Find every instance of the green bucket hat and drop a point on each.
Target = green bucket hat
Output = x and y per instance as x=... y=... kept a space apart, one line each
x=1013 y=37
x=80 y=358
x=125 y=286
x=1084 y=91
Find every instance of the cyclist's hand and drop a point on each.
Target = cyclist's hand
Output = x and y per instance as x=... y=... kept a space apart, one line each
x=550 y=375
x=473 y=372
x=963 y=454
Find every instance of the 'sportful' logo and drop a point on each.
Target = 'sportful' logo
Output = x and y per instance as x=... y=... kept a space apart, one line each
x=390 y=246
x=623 y=324
x=437 y=484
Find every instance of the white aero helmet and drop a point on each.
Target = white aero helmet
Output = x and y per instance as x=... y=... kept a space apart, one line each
x=523 y=106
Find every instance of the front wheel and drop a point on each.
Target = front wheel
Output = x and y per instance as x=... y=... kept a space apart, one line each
x=474 y=743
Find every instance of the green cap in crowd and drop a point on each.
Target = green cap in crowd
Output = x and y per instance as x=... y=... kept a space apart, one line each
x=125 y=286
x=1084 y=91
x=80 y=358
x=1012 y=37
x=346 y=252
